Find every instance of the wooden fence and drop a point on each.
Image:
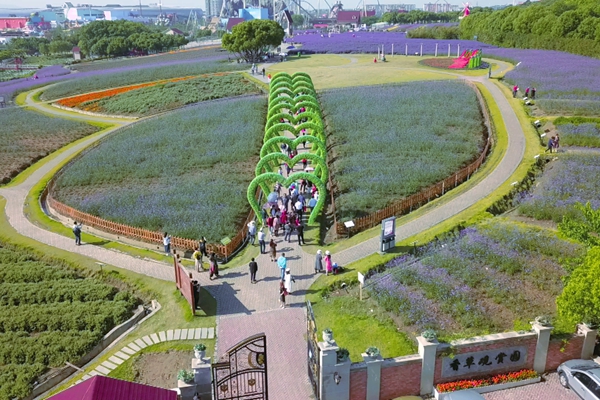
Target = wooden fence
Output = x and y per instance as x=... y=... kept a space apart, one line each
x=183 y=279
x=223 y=251
x=416 y=200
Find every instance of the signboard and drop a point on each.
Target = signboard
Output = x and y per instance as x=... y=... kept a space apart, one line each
x=484 y=362
x=388 y=226
x=361 y=279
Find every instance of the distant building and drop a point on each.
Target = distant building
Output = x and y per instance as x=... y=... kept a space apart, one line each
x=352 y=18
x=440 y=7
x=254 y=13
x=381 y=9
x=82 y=13
x=174 y=31
x=213 y=8
x=231 y=22
x=12 y=23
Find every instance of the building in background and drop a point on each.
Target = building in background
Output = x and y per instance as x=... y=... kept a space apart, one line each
x=381 y=9
x=213 y=8
x=440 y=7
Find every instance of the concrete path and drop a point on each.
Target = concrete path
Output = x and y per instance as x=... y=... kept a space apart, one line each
x=244 y=308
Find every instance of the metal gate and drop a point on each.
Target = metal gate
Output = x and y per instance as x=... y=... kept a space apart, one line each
x=241 y=374
x=313 y=349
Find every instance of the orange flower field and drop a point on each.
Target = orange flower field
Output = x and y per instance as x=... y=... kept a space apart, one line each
x=81 y=100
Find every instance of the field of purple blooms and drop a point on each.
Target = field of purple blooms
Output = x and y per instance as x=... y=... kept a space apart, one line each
x=413 y=125
x=584 y=132
x=489 y=278
x=174 y=173
x=569 y=179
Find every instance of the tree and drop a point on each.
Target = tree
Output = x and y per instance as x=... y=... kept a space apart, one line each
x=298 y=20
x=369 y=20
x=580 y=299
x=249 y=38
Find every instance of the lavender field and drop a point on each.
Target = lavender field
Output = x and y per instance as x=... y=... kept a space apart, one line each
x=489 y=278
x=579 y=131
x=174 y=173
x=391 y=141
x=569 y=179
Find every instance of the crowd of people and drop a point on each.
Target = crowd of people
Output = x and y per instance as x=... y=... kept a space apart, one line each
x=529 y=92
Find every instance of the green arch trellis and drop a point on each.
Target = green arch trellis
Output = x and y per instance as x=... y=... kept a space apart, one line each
x=290 y=93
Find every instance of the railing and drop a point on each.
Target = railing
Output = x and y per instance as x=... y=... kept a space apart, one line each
x=416 y=200
x=183 y=280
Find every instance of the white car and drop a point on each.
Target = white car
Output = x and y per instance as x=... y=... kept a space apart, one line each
x=582 y=377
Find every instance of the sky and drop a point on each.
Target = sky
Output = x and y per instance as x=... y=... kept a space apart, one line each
x=348 y=4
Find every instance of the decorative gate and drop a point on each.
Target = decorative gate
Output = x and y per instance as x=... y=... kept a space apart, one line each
x=241 y=374
x=313 y=349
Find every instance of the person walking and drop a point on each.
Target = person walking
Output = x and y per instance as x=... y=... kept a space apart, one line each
x=282 y=264
x=288 y=281
x=515 y=90
x=328 y=263
x=299 y=207
x=167 y=243
x=203 y=247
x=261 y=241
x=214 y=266
x=252 y=232
x=527 y=92
x=319 y=262
x=300 y=232
x=273 y=250
x=550 y=145
x=253 y=268
x=533 y=93
x=276 y=225
x=288 y=232
x=282 y=294
x=77 y=232
x=263 y=72
x=556 y=143
x=197 y=256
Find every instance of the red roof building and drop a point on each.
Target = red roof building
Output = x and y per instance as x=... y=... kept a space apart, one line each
x=231 y=22
x=348 y=17
x=13 y=23
x=103 y=388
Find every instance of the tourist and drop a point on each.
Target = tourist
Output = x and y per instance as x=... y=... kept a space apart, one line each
x=300 y=232
x=533 y=93
x=319 y=262
x=270 y=224
x=253 y=268
x=263 y=214
x=328 y=263
x=273 y=249
x=263 y=72
x=77 y=232
x=375 y=60
x=197 y=256
x=167 y=243
x=288 y=169
x=276 y=225
x=214 y=266
x=252 y=232
x=287 y=229
x=312 y=203
x=515 y=90
x=299 y=207
x=282 y=294
x=556 y=143
x=289 y=279
x=282 y=264
x=261 y=241
x=283 y=217
x=527 y=92
x=550 y=145
x=203 y=247
x=286 y=201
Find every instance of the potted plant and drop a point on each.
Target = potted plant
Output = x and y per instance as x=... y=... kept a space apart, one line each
x=199 y=351
x=342 y=354
x=327 y=335
x=429 y=335
x=543 y=320
x=373 y=352
x=185 y=376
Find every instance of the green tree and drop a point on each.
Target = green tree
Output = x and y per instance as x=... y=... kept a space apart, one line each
x=587 y=28
x=59 y=46
x=248 y=39
x=369 y=20
x=298 y=20
x=580 y=299
x=567 y=23
x=585 y=230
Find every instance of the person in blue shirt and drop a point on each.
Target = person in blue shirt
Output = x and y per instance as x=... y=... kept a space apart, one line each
x=282 y=264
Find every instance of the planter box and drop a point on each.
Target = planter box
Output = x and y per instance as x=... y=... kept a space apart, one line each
x=490 y=388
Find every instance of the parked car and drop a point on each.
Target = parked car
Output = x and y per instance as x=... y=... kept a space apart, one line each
x=582 y=377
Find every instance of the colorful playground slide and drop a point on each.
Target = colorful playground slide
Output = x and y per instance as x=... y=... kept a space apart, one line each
x=468 y=59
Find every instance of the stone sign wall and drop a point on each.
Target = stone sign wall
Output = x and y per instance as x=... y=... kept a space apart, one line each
x=484 y=362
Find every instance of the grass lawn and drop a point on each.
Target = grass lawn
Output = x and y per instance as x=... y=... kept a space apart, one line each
x=327 y=72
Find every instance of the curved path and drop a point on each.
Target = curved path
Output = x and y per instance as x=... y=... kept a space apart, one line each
x=243 y=308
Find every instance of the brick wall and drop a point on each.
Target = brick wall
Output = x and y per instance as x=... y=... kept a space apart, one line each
x=400 y=378
x=528 y=340
x=358 y=383
x=559 y=352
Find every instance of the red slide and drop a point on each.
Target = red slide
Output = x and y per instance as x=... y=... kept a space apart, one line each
x=463 y=60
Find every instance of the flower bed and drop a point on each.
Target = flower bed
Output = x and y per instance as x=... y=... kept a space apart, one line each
x=81 y=100
x=494 y=380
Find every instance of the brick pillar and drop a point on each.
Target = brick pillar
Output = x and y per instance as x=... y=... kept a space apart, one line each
x=202 y=376
x=335 y=377
x=373 y=376
x=589 y=341
x=541 y=347
x=427 y=351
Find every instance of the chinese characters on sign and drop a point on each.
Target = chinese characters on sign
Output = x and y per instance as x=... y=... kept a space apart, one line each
x=484 y=361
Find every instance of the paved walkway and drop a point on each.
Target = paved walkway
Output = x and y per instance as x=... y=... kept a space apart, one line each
x=244 y=308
